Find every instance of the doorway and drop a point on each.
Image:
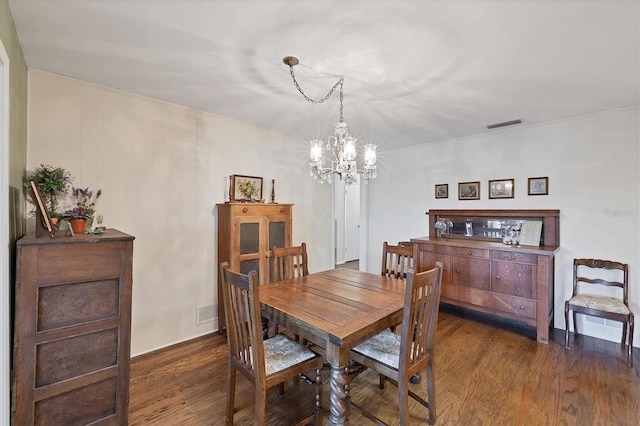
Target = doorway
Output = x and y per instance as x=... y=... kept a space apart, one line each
x=347 y=224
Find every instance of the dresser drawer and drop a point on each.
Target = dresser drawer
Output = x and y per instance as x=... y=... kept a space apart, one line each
x=514 y=256
x=473 y=252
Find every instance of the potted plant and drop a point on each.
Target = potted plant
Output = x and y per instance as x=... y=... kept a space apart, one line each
x=85 y=207
x=51 y=182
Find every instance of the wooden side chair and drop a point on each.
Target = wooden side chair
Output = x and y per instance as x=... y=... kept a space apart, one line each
x=397 y=260
x=265 y=363
x=289 y=262
x=398 y=357
x=588 y=274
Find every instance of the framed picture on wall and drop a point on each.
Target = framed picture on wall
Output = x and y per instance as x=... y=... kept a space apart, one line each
x=539 y=185
x=501 y=188
x=442 y=190
x=246 y=188
x=469 y=190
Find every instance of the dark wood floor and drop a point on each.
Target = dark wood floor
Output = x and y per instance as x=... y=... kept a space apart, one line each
x=486 y=374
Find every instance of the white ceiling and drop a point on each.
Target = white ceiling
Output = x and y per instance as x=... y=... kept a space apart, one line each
x=415 y=71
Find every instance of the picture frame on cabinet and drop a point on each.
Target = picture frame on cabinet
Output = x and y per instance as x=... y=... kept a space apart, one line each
x=539 y=185
x=246 y=188
x=442 y=190
x=501 y=188
x=44 y=223
x=469 y=190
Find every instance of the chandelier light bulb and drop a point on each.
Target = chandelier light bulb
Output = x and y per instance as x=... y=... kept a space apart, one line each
x=369 y=155
x=350 y=149
x=316 y=151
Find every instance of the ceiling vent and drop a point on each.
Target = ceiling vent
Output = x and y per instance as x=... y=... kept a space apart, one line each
x=504 y=124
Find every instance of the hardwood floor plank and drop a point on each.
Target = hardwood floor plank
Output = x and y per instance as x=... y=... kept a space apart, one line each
x=486 y=374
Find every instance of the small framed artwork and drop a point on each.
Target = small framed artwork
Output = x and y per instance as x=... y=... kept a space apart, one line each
x=246 y=188
x=501 y=188
x=539 y=185
x=469 y=190
x=442 y=190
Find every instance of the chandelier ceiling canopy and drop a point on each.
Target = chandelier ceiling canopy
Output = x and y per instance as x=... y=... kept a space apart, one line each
x=340 y=148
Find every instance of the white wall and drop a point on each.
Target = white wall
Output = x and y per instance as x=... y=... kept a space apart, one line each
x=162 y=170
x=593 y=167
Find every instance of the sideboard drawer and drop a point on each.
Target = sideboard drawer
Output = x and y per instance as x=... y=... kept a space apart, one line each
x=473 y=252
x=435 y=248
x=514 y=256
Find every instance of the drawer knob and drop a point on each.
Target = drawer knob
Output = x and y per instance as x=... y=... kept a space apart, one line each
x=513 y=257
x=281 y=209
x=469 y=252
x=497 y=277
x=522 y=307
x=244 y=210
x=519 y=274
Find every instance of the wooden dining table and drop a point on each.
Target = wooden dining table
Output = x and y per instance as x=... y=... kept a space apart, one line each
x=335 y=309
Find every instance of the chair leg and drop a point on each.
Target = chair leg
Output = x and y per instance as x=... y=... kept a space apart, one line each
x=261 y=402
x=431 y=393
x=382 y=381
x=630 y=348
x=318 y=407
x=403 y=403
x=231 y=393
x=566 y=324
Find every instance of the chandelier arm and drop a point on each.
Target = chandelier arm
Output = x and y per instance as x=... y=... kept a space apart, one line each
x=319 y=101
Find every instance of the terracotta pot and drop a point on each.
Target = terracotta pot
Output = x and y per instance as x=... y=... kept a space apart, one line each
x=54 y=220
x=78 y=225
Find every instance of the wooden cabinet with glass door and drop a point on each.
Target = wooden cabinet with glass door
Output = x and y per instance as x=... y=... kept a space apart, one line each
x=246 y=233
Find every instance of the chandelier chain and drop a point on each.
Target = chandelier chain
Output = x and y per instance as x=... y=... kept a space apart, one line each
x=327 y=96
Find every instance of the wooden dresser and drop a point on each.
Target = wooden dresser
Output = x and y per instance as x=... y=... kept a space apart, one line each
x=246 y=234
x=483 y=274
x=72 y=330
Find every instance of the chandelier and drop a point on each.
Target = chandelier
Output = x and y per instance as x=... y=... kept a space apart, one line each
x=340 y=148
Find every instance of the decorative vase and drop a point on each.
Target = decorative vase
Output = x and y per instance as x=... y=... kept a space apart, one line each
x=78 y=224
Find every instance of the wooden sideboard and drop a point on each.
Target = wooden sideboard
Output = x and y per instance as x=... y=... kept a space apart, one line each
x=72 y=329
x=483 y=274
x=246 y=234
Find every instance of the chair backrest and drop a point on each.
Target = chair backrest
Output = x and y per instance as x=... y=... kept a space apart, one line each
x=289 y=262
x=244 y=325
x=397 y=260
x=420 y=316
x=586 y=271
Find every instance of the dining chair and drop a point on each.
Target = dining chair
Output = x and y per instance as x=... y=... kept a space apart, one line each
x=588 y=275
x=398 y=357
x=289 y=262
x=397 y=260
x=265 y=363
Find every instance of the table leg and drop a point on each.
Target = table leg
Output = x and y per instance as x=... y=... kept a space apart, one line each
x=339 y=359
